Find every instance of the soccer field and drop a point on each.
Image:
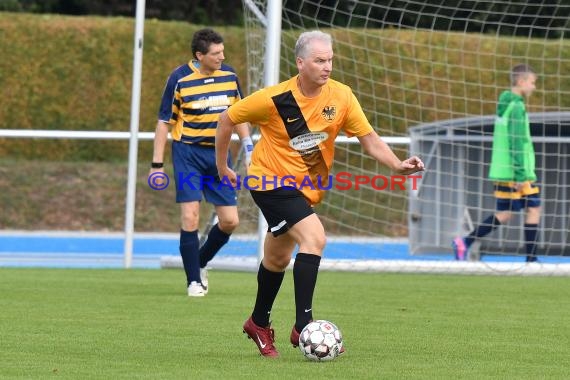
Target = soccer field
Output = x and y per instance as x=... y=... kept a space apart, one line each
x=113 y=324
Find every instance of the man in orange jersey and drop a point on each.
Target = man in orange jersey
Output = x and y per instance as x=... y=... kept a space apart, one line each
x=299 y=120
x=194 y=96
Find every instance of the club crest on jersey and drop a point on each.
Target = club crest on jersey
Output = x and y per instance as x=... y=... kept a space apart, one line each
x=329 y=113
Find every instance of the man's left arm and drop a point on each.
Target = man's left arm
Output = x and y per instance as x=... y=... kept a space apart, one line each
x=243 y=130
x=378 y=149
x=222 y=142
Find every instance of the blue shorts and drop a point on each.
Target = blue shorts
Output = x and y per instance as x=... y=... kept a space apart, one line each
x=195 y=173
x=509 y=199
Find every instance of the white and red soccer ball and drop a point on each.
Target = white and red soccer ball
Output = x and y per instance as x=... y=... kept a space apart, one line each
x=320 y=341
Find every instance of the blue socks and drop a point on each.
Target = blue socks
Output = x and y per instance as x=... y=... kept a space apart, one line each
x=216 y=240
x=194 y=257
x=189 y=250
x=530 y=233
x=483 y=229
x=491 y=223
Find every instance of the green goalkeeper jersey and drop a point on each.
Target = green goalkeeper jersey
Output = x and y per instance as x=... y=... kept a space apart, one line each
x=513 y=153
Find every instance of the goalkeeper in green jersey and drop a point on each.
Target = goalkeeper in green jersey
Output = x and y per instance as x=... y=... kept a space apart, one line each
x=512 y=166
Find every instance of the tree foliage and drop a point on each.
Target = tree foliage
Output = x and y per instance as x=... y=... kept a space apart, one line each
x=542 y=18
x=207 y=12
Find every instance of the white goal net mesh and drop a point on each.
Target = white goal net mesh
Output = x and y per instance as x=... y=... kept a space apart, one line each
x=435 y=68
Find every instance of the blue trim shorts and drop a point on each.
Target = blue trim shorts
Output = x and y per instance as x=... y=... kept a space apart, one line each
x=509 y=199
x=196 y=174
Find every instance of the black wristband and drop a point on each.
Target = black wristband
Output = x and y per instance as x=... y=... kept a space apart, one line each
x=156 y=165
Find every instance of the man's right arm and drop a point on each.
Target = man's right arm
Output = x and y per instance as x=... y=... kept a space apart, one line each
x=165 y=113
x=160 y=139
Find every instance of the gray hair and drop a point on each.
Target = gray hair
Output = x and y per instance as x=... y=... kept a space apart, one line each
x=305 y=39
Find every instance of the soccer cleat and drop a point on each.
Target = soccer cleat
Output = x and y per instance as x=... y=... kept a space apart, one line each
x=262 y=336
x=294 y=337
x=532 y=259
x=195 y=290
x=204 y=279
x=459 y=248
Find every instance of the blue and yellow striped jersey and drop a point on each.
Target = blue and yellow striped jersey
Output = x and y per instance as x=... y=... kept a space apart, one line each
x=196 y=101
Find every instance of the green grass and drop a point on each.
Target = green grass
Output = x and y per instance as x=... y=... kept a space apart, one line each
x=113 y=324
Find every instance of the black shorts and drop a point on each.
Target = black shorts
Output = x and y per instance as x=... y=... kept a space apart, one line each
x=282 y=208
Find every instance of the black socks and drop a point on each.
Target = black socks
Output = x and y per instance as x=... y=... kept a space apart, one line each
x=305 y=272
x=268 y=284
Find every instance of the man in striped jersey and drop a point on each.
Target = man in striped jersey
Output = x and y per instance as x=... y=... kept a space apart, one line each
x=194 y=96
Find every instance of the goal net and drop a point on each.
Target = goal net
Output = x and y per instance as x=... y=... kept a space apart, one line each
x=433 y=68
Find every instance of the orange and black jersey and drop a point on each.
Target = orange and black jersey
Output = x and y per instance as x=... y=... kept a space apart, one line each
x=196 y=101
x=298 y=133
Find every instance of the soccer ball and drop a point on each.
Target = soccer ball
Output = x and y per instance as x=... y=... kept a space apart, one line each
x=320 y=341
